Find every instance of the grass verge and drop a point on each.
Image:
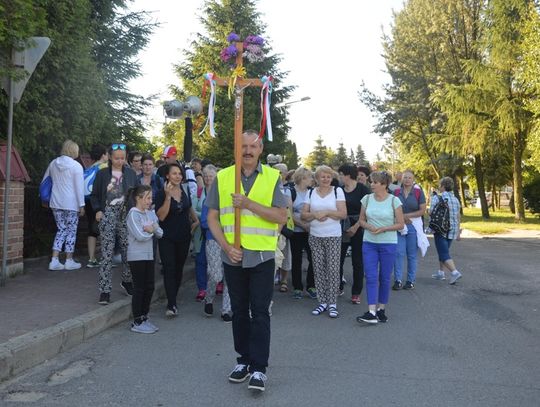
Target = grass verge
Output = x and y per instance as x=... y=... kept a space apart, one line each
x=500 y=221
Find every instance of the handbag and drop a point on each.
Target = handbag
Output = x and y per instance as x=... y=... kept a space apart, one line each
x=45 y=190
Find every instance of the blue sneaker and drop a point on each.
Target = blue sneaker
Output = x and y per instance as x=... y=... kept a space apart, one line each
x=312 y=292
x=297 y=294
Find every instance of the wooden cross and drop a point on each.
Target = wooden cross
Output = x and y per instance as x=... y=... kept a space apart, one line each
x=241 y=84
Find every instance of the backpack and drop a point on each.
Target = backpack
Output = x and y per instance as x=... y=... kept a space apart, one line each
x=415 y=188
x=311 y=192
x=439 y=220
x=293 y=192
x=89 y=176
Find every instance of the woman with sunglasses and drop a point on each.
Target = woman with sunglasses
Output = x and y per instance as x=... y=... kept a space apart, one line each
x=178 y=219
x=108 y=194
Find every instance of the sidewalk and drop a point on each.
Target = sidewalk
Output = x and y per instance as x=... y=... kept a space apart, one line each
x=47 y=312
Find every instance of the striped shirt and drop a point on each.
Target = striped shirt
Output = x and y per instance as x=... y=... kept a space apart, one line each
x=453 y=205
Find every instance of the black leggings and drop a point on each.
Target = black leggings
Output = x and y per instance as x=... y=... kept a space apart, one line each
x=357 y=262
x=173 y=256
x=142 y=272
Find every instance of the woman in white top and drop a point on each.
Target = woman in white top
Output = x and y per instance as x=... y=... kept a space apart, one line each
x=324 y=208
x=67 y=203
x=381 y=217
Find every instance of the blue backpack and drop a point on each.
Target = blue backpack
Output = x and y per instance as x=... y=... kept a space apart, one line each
x=45 y=189
x=89 y=176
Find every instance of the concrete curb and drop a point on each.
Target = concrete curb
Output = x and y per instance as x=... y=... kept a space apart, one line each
x=33 y=348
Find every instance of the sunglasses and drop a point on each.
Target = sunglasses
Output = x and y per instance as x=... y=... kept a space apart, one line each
x=118 y=147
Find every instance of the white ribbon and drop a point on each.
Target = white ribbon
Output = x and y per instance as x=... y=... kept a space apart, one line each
x=211 y=104
x=266 y=92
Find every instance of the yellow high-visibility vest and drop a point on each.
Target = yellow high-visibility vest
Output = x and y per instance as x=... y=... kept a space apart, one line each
x=256 y=233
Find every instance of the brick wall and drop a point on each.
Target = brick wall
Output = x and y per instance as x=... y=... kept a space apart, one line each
x=15 y=225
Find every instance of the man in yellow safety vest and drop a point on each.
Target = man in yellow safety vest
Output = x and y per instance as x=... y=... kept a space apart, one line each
x=249 y=271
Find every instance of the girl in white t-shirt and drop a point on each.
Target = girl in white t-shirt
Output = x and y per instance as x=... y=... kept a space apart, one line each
x=324 y=208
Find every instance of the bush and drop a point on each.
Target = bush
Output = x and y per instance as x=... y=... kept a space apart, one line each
x=531 y=193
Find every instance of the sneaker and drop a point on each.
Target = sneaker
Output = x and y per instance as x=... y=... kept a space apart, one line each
x=312 y=292
x=104 y=298
x=200 y=295
x=72 y=265
x=408 y=286
x=150 y=324
x=239 y=374
x=381 y=316
x=333 y=312
x=439 y=275
x=368 y=317
x=92 y=263
x=397 y=285
x=55 y=264
x=355 y=299
x=256 y=382
x=297 y=294
x=171 y=312
x=208 y=309
x=226 y=318
x=127 y=287
x=454 y=277
x=320 y=309
x=142 y=328
x=219 y=288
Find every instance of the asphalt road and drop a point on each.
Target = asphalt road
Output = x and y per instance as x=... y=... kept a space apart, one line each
x=473 y=344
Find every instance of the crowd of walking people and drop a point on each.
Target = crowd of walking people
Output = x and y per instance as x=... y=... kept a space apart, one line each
x=150 y=212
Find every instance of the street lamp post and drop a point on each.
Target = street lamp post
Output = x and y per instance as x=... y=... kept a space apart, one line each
x=303 y=99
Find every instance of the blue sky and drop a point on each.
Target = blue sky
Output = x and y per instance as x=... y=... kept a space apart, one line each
x=329 y=48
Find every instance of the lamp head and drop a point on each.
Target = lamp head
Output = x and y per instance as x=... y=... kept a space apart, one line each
x=174 y=109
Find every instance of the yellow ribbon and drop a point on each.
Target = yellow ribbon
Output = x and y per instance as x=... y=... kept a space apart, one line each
x=238 y=72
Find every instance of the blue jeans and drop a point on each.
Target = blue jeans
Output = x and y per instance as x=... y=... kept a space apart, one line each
x=443 y=247
x=378 y=263
x=407 y=246
x=251 y=289
x=200 y=267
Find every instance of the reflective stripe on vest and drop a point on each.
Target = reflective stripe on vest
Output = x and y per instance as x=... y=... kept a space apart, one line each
x=256 y=233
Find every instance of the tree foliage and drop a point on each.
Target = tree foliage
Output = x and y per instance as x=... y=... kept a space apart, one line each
x=320 y=155
x=219 y=18
x=458 y=94
x=79 y=88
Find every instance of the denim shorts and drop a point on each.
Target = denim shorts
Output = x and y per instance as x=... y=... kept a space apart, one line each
x=443 y=247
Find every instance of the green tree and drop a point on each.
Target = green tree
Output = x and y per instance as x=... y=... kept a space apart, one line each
x=352 y=158
x=319 y=155
x=219 y=18
x=426 y=51
x=119 y=36
x=360 y=156
x=340 y=156
x=291 y=157
x=494 y=104
x=77 y=89
x=65 y=97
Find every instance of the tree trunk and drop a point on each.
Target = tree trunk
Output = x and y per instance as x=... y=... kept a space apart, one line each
x=462 y=188
x=493 y=198
x=479 y=174
x=518 y=147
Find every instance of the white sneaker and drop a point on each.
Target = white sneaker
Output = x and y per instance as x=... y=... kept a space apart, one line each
x=72 y=265
x=142 y=328
x=151 y=325
x=55 y=264
x=439 y=275
x=455 y=276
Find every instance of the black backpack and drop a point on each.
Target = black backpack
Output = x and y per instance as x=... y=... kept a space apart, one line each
x=439 y=219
